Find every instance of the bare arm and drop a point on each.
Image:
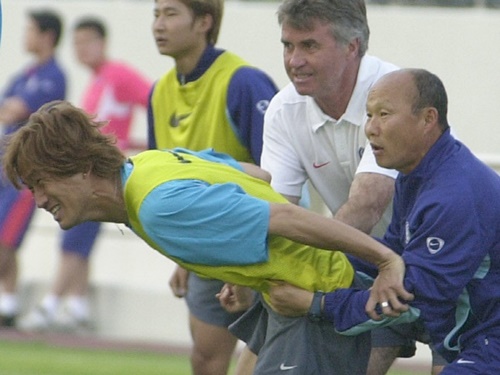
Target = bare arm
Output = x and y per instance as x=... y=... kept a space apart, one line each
x=256 y=171
x=306 y=227
x=369 y=196
x=13 y=110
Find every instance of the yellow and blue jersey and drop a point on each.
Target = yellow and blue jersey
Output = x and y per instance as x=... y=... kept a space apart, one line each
x=220 y=105
x=213 y=219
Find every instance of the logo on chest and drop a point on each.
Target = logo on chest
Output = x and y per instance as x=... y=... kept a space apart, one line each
x=175 y=120
x=434 y=244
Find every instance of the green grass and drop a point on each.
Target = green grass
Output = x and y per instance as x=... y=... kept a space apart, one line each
x=38 y=358
x=42 y=359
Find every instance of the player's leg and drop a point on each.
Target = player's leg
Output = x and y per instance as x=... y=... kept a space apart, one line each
x=438 y=362
x=9 y=304
x=72 y=280
x=70 y=284
x=72 y=276
x=250 y=328
x=213 y=348
x=213 y=344
x=381 y=359
x=246 y=362
x=16 y=212
x=436 y=370
x=388 y=344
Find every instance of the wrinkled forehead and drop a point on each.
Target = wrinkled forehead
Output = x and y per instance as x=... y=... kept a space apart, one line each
x=304 y=23
x=400 y=80
x=393 y=86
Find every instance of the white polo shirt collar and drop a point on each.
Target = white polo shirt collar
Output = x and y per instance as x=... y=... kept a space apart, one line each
x=368 y=68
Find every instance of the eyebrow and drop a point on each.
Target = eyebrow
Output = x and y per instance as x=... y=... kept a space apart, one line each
x=29 y=177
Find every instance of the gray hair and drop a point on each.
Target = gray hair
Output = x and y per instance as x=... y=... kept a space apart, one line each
x=347 y=18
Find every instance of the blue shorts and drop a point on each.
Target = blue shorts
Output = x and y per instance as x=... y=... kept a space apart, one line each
x=405 y=336
x=479 y=356
x=251 y=327
x=80 y=239
x=203 y=304
x=16 y=211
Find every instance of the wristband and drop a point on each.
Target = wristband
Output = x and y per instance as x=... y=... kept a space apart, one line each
x=315 y=311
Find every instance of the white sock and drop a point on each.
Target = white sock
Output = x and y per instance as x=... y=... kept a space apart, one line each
x=50 y=304
x=78 y=306
x=9 y=304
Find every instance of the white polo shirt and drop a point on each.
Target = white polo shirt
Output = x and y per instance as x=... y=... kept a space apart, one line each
x=301 y=142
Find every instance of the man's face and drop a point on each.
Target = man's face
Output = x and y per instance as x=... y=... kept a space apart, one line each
x=314 y=60
x=67 y=199
x=175 y=29
x=396 y=134
x=32 y=36
x=89 y=47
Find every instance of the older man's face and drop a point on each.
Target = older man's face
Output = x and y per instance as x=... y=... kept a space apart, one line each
x=395 y=133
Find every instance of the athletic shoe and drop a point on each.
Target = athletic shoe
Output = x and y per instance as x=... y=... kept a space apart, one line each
x=69 y=323
x=37 y=320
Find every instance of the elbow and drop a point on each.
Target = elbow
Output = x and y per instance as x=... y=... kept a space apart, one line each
x=279 y=217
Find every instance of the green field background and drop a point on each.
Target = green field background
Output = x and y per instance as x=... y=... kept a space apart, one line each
x=39 y=358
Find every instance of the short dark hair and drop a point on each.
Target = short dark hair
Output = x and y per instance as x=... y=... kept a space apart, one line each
x=431 y=93
x=92 y=23
x=48 y=20
x=214 y=8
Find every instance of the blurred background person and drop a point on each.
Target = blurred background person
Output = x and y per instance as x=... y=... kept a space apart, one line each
x=40 y=82
x=210 y=99
x=113 y=94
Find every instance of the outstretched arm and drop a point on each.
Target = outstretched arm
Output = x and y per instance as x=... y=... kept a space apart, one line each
x=309 y=228
x=13 y=110
x=304 y=226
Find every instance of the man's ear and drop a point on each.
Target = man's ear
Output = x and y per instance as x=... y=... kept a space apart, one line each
x=205 y=22
x=431 y=117
x=353 y=47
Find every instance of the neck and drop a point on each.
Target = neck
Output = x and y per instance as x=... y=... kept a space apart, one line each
x=187 y=62
x=44 y=56
x=97 y=65
x=335 y=99
x=108 y=200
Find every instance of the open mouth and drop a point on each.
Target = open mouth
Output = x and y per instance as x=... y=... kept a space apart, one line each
x=160 y=40
x=301 y=76
x=54 y=210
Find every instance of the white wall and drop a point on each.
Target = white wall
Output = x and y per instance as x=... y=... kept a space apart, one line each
x=460 y=45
